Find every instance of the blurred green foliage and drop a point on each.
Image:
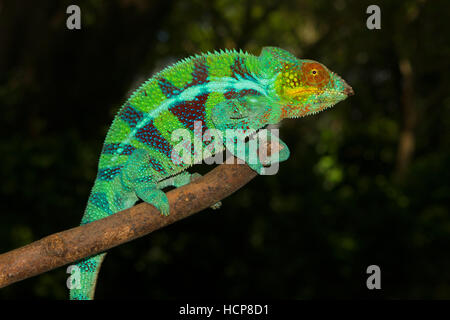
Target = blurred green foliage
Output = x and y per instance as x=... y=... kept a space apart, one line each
x=368 y=182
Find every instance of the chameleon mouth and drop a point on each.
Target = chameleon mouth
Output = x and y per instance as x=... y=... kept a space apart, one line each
x=349 y=91
x=302 y=92
x=334 y=96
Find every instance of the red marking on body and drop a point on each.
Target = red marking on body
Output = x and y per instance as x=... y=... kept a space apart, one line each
x=167 y=87
x=188 y=112
x=149 y=135
x=200 y=73
x=238 y=68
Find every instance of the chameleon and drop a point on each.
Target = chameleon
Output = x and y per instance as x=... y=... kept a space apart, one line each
x=223 y=90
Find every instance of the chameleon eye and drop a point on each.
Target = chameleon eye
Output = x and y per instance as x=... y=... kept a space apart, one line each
x=314 y=74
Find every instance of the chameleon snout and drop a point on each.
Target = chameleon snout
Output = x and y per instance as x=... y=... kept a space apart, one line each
x=348 y=90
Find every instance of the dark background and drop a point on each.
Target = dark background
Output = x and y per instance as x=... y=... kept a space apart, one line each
x=368 y=182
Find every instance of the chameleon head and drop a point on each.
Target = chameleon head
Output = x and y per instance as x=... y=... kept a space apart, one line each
x=308 y=87
x=302 y=87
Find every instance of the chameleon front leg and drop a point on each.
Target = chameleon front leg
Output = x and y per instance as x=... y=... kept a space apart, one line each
x=251 y=152
x=250 y=113
x=276 y=156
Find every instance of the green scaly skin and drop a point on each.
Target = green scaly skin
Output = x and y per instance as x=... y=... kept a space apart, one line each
x=222 y=90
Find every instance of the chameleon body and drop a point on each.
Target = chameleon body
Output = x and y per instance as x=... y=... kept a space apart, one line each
x=222 y=90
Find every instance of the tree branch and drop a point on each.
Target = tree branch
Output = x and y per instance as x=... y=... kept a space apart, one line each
x=71 y=245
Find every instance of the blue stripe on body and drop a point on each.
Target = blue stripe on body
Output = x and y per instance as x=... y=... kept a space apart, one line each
x=108 y=174
x=100 y=200
x=131 y=116
x=119 y=148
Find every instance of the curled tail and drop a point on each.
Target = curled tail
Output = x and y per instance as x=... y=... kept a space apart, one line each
x=107 y=198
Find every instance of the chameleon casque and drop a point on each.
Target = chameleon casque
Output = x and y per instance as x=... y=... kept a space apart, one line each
x=222 y=90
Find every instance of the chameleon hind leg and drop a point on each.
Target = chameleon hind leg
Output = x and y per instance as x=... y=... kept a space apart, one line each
x=139 y=176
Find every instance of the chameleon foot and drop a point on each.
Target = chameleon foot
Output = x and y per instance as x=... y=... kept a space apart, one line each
x=156 y=198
